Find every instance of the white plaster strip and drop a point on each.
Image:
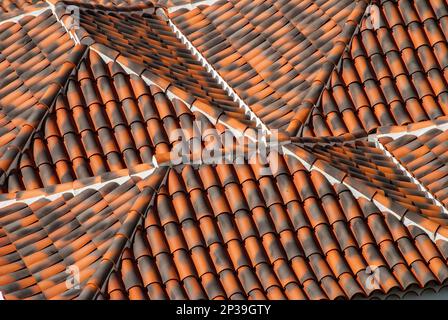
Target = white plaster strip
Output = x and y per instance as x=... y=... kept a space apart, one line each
x=414 y=180
x=417 y=133
x=171 y=96
x=34 y=13
x=71 y=34
x=227 y=88
x=75 y=192
x=193 y=6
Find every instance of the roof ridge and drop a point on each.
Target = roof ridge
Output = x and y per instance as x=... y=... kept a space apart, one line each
x=146 y=6
x=134 y=67
x=189 y=6
x=351 y=27
x=126 y=202
x=77 y=186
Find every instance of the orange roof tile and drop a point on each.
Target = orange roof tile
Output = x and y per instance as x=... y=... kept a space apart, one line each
x=394 y=75
x=92 y=180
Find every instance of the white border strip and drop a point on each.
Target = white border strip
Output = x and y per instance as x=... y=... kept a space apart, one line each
x=191 y=6
x=75 y=192
x=358 y=194
x=417 y=133
x=71 y=34
x=34 y=13
x=171 y=96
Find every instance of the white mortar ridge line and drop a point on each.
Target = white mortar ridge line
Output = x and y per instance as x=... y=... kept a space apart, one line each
x=191 y=6
x=227 y=88
x=428 y=194
x=71 y=34
x=96 y=186
x=115 y=10
x=358 y=194
x=17 y=18
x=417 y=133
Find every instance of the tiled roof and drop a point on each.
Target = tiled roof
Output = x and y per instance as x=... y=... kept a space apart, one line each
x=273 y=53
x=105 y=121
x=39 y=241
x=425 y=157
x=36 y=58
x=394 y=75
x=102 y=107
x=231 y=232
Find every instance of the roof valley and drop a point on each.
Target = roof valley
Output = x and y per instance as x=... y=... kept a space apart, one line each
x=80 y=35
x=43 y=106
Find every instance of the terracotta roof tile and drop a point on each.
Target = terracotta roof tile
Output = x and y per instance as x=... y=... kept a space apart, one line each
x=86 y=136
x=424 y=156
x=261 y=250
x=391 y=76
x=268 y=51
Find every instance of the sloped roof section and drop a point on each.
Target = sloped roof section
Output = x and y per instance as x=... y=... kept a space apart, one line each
x=36 y=58
x=104 y=121
x=40 y=241
x=146 y=46
x=425 y=157
x=393 y=75
x=364 y=164
x=275 y=54
x=239 y=232
x=13 y=8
